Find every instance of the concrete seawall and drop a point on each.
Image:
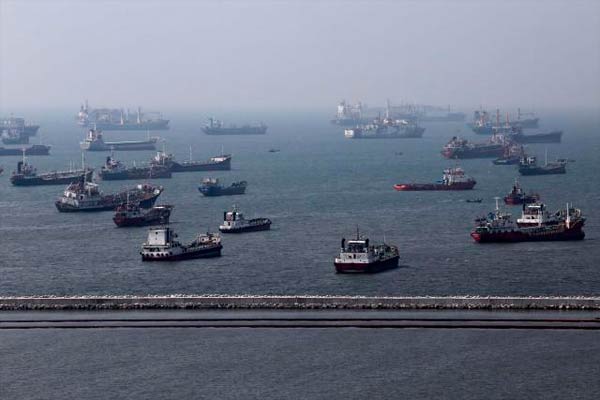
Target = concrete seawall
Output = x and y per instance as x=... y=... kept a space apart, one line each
x=296 y=302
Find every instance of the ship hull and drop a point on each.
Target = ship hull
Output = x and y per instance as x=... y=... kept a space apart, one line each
x=412 y=133
x=254 y=228
x=515 y=201
x=407 y=187
x=551 y=137
x=378 y=266
x=35 y=150
x=188 y=255
x=235 y=131
x=44 y=180
x=488 y=152
x=507 y=161
x=162 y=125
x=117 y=146
x=138 y=173
x=152 y=218
x=209 y=166
x=530 y=235
x=216 y=191
x=543 y=170
x=145 y=202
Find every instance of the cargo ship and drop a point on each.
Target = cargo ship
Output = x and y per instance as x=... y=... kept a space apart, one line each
x=161 y=245
x=113 y=170
x=14 y=136
x=512 y=155
x=349 y=115
x=27 y=175
x=211 y=187
x=217 y=127
x=33 y=150
x=18 y=124
x=518 y=196
x=130 y=214
x=218 y=163
x=359 y=255
x=86 y=196
x=115 y=119
x=234 y=222
x=453 y=179
x=499 y=227
x=550 y=137
x=482 y=123
x=385 y=129
x=529 y=166
x=462 y=148
x=95 y=142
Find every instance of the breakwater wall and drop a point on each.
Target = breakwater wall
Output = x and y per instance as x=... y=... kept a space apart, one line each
x=175 y=302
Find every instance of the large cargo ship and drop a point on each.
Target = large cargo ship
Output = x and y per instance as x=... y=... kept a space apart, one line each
x=235 y=222
x=499 y=227
x=131 y=214
x=115 y=119
x=18 y=124
x=482 y=123
x=453 y=179
x=218 y=163
x=549 y=137
x=33 y=150
x=95 y=142
x=385 y=129
x=161 y=245
x=211 y=187
x=113 y=170
x=217 y=127
x=26 y=175
x=359 y=255
x=86 y=196
x=349 y=114
x=529 y=166
x=462 y=148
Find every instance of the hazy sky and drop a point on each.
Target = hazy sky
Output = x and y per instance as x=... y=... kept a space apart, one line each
x=169 y=54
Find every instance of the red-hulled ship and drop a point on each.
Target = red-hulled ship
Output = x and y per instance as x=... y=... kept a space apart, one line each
x=567 y=224
x=358 y=255
x=453 y=179
x=131 y=214
x=518 y=196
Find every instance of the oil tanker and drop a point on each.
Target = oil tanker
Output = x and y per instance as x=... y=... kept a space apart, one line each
x=453 y=179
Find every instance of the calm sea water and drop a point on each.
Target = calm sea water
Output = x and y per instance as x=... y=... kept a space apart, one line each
x=299 y=364
x=316 y=190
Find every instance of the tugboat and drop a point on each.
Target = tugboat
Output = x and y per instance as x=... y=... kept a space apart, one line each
x=462 y=148
x=162 y=245
x=218 y=163
x=115 y=170
x=567 y=224
x=33 y=150
x=529 y=166
x=26 y=175
x=518 y=196
x=216 y=127
x=453 y=179
x=95 y=142
x=358 y=255
x=234 y=222
x=131 y=214
x=86 y=196
x=212 y=187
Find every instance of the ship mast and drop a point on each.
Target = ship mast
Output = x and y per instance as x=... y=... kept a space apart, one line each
x=568 y=221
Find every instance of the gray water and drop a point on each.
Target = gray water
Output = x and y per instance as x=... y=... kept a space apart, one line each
x=316 y=190
x=299 y=364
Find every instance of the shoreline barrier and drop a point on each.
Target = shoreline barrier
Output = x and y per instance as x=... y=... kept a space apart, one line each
x=188 y=302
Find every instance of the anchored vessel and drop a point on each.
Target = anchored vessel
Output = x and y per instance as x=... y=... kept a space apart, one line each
x=529 y=166
x=115 y=119
x=162 y=245
x=218 y=163
x=535 y=224
x=216 y=127
x=212 y=187
x=26 y=175
x=95 y=142
x=453 y=179
x=33 y=150
x=483 y=125
x=131 y=214
x=115 y=170
x=518 y=196
x=358 y=255
x=462 y=148
x=86 y=196
x=19 y=125
x=234 y=222
x=385 y=129
x=512 y=155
